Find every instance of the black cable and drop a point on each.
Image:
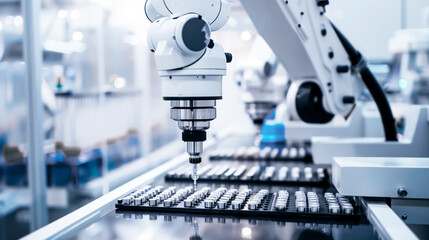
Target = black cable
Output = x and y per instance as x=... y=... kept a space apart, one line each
x=374 y=88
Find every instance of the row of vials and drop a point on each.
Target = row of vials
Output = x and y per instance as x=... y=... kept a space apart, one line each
x=253 y=153
x=256 y=172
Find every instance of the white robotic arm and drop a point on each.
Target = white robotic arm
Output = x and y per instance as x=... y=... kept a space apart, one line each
x=325 y=69
x=261 y=89
x=190 y=64
x=306 y=44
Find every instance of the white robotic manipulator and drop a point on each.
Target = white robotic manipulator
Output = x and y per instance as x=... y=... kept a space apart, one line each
x=325 y=70
x=262 y=88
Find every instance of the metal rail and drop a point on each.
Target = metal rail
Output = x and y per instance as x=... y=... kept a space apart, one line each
x=36 y=162
x=387 y=224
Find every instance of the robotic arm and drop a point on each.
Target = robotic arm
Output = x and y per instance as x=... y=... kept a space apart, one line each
x=189 y=63
x=303 y=39
x=326 y=71
x=262 y=91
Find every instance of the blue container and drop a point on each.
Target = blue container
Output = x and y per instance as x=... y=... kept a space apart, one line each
x=15 y=174
x=113 y=154
x=3 y=141
x=59 y=171
x=75 y=171
x=273 y=133
x=86 y=167
x=1 y=170
x=132 y=148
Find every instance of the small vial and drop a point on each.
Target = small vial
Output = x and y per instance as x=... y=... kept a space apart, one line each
x=300 y=208
x=283 y=173
x=153 y=202
x=188 y=202
x=168 y=203
x=314 y=208
x=221 y=204
x=347 y=209
x=253 y=205
x=236 y=204
x=138 y=201
x=335 y=209
x=126 y=200
x=208 y=203
x=280 y=207
x=295 y=173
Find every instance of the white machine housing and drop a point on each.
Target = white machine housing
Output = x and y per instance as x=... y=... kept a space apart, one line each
x=187 y=73
x=190 y=64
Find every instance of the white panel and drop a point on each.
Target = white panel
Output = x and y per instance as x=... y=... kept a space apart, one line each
x=381 y=177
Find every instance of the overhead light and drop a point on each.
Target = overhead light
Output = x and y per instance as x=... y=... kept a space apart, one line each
x=77 y=36
x=119 y=82
x=17 y=21
x=246 y=36
x=62 y=14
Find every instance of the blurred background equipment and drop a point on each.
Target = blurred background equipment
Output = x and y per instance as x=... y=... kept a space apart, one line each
x=262 y=88
x=410 y=77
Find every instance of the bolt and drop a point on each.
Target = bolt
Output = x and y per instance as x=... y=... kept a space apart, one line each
x=404 y=216
x=402 y=192
x=348 y=99
x=342 y=68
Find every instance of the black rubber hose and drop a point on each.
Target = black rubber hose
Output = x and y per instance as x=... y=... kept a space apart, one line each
x=374 y=88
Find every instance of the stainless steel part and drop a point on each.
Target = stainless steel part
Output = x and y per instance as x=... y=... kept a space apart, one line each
x=194 y=149
x=193 y=115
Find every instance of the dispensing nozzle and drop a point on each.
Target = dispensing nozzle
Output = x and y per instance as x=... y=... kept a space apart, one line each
x=193 y=117
x=195 y=149
x=195 y=176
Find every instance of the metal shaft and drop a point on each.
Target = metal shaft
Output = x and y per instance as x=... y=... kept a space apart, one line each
x=194 y=149
x=193 y=118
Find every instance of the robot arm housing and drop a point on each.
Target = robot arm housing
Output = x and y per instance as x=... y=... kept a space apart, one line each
x=306 y=44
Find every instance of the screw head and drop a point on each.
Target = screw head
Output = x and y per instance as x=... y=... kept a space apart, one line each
x=404 y=216
x=402 y=192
